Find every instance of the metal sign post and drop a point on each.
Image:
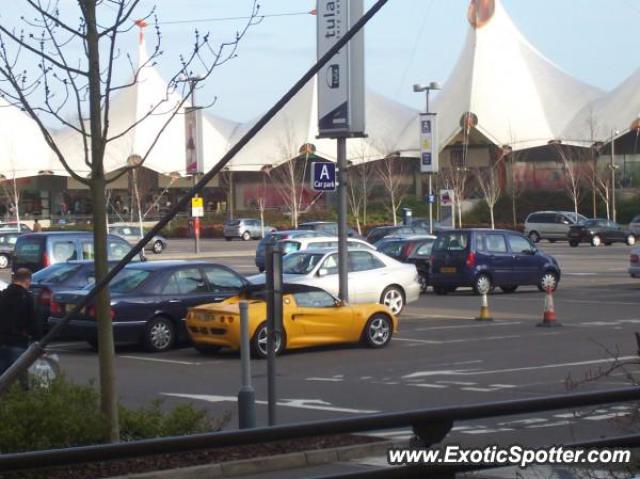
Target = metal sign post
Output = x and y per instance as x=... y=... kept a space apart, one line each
x=247 y=395
x=341 y=102
x=273 y=263
x=197 y=211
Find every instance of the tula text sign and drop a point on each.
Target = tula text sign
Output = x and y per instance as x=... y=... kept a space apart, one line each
x=323 y=177
x=341 y=81
x=428 y=143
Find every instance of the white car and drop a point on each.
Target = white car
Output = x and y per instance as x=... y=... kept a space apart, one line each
x=320 y=242
x=373 y=277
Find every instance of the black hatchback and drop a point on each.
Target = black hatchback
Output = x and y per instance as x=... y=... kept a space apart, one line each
x=599 y=231
x=149 y=301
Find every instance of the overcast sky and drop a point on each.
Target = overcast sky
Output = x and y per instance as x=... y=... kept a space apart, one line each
x=409 y=41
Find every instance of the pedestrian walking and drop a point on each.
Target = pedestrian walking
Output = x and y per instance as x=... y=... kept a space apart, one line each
x=37 y=227
x=18 y=321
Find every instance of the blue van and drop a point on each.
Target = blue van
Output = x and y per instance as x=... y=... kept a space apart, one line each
x=483 y=259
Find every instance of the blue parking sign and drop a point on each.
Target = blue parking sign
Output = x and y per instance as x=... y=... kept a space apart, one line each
x=324 y=176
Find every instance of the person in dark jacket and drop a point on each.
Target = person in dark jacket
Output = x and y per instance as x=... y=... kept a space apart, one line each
x=18 y=321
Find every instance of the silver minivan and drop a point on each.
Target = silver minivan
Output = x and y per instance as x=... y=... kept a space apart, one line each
x=550 y=225
x=245 y=228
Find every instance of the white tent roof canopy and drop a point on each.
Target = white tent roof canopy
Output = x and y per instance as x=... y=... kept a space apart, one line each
x=514 y=95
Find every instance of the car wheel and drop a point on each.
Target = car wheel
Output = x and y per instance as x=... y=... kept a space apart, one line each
x=159 y=335
x=549 y=280
x=573 y=244
x=259 y=342
x=261 y=269
x=4 y=261
x=228 y=238
x=482 y=284
x=631 y=240
x=246 y=236
x=508 y=289
x=393 y=298
x=206 y=348
x=424 y=284
x=596 y=241
x=534 y=236
x=377 y=332
x=157 y=247
x=552 y=241
x=439 y=290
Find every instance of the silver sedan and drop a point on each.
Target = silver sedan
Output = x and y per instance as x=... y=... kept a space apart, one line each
x=373 y=277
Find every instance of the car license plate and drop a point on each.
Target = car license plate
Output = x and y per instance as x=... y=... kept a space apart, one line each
x=68 y=307
x=447 y=269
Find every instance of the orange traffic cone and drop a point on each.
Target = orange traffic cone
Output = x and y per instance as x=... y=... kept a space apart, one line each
x=549 y=316
x=484 y=310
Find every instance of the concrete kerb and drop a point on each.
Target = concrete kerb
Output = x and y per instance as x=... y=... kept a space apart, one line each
x=269 y=463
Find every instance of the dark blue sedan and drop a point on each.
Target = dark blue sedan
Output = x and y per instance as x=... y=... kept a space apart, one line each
x=55 y=278
x=149 y=301
x=483 y=259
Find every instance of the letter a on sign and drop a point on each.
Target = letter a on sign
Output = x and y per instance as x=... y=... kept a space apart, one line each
x=324 y=173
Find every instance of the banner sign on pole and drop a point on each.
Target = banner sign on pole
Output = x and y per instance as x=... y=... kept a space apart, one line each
x=323 y=176
x=446 y=197
x=193 y=135
x=428 y=143
x=341 y=81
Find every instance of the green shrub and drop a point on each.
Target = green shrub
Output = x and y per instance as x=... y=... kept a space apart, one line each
x=67 y=414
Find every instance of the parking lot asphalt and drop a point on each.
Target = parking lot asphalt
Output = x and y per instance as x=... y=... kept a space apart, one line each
x=440 y=357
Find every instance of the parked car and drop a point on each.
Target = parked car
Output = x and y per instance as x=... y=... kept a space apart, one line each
x=58 y=277
x=277 y=236
x=245 y=228
x=379 y=232
x=36 y=251
x=424 y=223
x=149 y=301
x=483 y=259
x=13 y=226
x=599 y=231
x=327 y=228
x=310 y=317
x=550 y=225
x=132 y=234
x=300 y=244
x=634 y=263
x=7 y=247
x=634 y=226
x=411 y=249
x=373 y=276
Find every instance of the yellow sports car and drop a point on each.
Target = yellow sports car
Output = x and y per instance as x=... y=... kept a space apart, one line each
x=311 y=317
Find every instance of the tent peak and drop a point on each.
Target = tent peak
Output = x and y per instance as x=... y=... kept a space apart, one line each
x=480 y=12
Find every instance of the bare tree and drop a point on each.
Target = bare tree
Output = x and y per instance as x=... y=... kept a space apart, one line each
x=456 y=178
x=51 y=69
x=490 y=183
x=360 y=186
x=288 y=178
x=391 y=172
x=572 y=164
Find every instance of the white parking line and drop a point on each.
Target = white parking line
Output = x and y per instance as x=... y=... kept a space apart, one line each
x=157 y=360
x=461 y=326
x=317 y=404
x=458 y=341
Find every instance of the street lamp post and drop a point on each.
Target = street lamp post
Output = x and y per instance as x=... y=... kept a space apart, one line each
x=417 y=88
x=613 y=167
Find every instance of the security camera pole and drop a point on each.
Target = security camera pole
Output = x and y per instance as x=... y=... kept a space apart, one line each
x=340 y=104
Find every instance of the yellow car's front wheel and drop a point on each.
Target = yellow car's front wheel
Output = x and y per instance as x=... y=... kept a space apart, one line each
x=259 y=341
x=377 y=332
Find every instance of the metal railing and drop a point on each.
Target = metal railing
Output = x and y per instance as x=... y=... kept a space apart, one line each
x=430 y=426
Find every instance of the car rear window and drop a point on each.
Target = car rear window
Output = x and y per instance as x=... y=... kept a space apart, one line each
x=289 y=246
x=392 y=248
x=452 y=241
x=29 y=250
x=232 y=223
x=56 y=274
x=128 y=280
